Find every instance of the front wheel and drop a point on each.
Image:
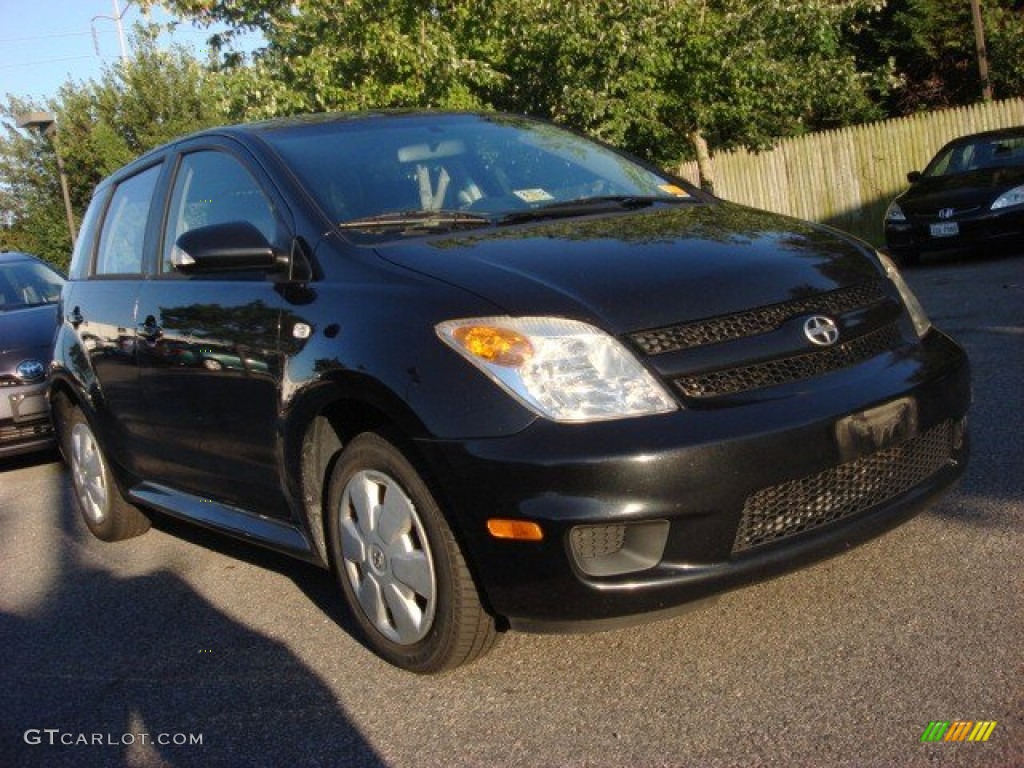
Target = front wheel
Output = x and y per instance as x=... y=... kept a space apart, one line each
x=400 y=568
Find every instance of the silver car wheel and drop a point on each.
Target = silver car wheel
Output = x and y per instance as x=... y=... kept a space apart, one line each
x=89 y=474
x=387 y=557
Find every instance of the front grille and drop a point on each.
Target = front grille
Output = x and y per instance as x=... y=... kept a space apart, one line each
x=755 y=321
x=801 y=505
x=815 y=363
x=25 y=431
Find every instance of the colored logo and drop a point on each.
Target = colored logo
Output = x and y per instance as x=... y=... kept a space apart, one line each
x=958 y=730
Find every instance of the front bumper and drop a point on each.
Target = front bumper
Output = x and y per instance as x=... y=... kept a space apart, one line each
x=987 y=229
x=694 y=473
x=25 y=424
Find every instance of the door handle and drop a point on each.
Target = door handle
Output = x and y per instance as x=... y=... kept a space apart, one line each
x=75 y=317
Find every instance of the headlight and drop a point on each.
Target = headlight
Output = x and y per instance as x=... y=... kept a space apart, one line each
x=917 y=314
x=1014 y=197
x=894 y=212
x=563 y=370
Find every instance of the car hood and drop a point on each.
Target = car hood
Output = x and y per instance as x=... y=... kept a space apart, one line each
x=26 y=333
x=632 y=271
x=963 y=190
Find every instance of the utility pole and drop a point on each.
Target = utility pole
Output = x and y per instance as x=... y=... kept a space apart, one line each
x=120 y=29
x=979 y=42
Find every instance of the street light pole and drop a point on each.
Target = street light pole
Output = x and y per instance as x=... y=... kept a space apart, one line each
x=46 y=124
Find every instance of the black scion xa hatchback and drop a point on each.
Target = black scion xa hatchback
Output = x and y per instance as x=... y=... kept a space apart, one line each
x=492 y=373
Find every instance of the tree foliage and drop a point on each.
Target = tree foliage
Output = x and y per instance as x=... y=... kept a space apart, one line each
x=646 y=75
x=931 y=47
x=136 y=105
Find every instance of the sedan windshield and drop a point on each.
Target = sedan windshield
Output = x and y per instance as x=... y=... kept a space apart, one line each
x=416 y=173
x=978 y=154
x=27 y=284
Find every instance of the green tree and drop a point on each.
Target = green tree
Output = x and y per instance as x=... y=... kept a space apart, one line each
x=930 y=45
x=659 y=77
x=136 y=105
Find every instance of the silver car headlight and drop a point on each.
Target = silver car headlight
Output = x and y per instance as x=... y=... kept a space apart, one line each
x=562 y=369
x=917 y=313
x=1011 y=197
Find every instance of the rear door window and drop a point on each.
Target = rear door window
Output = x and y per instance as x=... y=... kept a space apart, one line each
x=123 y=236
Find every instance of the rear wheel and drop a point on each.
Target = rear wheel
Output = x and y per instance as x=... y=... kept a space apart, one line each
x=105 y=512
x=400 y=568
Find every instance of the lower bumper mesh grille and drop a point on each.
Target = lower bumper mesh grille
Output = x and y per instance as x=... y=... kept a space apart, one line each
x=800 y=505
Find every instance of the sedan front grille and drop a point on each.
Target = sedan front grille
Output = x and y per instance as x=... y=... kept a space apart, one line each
x=755 y=321
x=801 y=505
x=815 y=363
x=15 y=432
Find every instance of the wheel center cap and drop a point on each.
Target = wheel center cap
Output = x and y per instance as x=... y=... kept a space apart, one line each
x=377 y=559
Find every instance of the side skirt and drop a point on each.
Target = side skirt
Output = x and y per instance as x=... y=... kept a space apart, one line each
x=263 y=531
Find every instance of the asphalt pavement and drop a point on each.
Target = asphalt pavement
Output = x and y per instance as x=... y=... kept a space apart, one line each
x=181 y=648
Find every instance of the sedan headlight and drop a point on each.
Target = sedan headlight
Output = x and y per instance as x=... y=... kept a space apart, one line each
x=1014 y=196
x=563 y=370
x=917 y=313
x=894 y=212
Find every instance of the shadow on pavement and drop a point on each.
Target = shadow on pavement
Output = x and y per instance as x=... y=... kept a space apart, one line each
x=107 y=659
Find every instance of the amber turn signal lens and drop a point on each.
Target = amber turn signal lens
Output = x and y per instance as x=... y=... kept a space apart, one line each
x=500 y=346
x=519 y=530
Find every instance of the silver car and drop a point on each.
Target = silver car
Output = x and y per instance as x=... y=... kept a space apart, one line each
x=29 y=291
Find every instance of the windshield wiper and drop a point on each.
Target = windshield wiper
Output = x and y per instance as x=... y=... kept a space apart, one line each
x=419 y=219
x=585 y=205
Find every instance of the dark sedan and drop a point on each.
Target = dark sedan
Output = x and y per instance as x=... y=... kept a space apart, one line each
x=970 y=196
x=502 y=375
x=29 y=291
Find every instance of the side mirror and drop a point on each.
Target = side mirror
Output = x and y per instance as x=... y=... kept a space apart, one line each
x=914 y=176
x=228 y=247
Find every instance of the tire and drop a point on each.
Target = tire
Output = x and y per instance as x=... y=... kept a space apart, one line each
x=399 y=566
x=105 y=512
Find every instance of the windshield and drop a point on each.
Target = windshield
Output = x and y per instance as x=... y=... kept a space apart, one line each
x=978 y=154
x=465 y=168
x=28 y=284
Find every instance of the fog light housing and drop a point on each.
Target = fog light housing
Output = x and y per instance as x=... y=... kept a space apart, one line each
x=611 y=550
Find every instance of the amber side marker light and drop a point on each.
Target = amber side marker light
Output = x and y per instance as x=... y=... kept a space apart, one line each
x=518 y=530
x=499 y=346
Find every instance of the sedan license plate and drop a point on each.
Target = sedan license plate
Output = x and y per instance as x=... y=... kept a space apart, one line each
x=876 y=429
x=945 y=229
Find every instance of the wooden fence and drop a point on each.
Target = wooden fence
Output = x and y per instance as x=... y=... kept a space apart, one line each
x=846 y=178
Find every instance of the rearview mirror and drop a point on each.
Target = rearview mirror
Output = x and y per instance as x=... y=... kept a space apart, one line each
x=914 y=176
x=232 y=246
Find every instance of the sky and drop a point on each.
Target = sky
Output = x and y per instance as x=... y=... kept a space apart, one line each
x=43 y=43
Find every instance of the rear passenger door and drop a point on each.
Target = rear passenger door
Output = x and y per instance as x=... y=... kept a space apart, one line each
x=209 y=359
x=116 y=241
